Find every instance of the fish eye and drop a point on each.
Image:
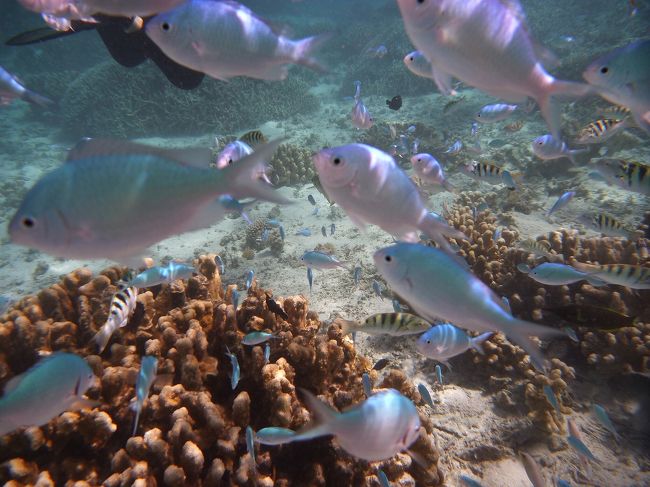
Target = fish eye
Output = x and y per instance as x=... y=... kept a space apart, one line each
x=388 y=258
x=429 y=342
x=411 y=58
x=165 y=26
x=28 y=222
x=604 y=70
x=337 y=161
x=420 y=2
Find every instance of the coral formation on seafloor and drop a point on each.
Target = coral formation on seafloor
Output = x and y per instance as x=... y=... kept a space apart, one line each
x=192 y=427
x=291 y=164
x=144 y=103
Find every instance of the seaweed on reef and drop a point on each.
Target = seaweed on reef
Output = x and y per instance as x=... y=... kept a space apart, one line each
x=143 y=103
x=191 y=430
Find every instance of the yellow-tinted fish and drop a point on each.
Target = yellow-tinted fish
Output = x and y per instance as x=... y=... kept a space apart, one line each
x=628 y=275
x=539 y=248
x=630 y=175
x=616 y=112
x=610 y=226
x=253 y=138
x=394 y=324
x=490 y=173
x=600 y=130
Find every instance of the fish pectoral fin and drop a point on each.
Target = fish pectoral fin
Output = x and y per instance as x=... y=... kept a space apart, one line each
x=443 y=81
x=277 y=72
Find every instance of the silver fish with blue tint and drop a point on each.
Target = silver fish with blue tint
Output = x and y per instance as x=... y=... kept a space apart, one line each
x=426 y=395
x=274 y=435
x=361 y=117
x=445 y=341
x=257 y=337
x=603 y=419
x=53 y=385
x=320 y=260
x=561 y=202
x=439 y=374
x=235 y=372
x=146 y=377
x=250 y=275
x=310 y=278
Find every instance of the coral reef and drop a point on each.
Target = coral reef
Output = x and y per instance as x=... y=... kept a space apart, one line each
x=144 y=103
x=260 y=236
x=291 y=164
x=191 y=429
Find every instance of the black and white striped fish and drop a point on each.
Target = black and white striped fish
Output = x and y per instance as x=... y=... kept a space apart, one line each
x=253 y=138
x=539 y=248
x=600 y=130
x=628 y=275
x=630 y=175
x=611 y=227
x=121 y=308
x=394 y=324
x=490 y=173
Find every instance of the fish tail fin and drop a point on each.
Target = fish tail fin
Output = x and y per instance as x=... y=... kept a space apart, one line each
x=549 y=105
x=305 y=49
x=320 y=424
x=477 y=341
x=519 y=332
x=101 y=338
x=137 y=419
x=435 y=229
x=242 y=180
x=36 y=99
x=576 y=152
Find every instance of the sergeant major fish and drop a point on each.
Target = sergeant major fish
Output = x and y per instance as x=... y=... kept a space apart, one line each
x=146 y=378
x=53 y=385
x=437 y=286
x=209 y=37
x=547 y=147
x=485 y=44
x=628 y=275
x=121 y=309
x=483 y=171
x=629 y=175
x=599 y=131
x=114 y=199
x=393 y=324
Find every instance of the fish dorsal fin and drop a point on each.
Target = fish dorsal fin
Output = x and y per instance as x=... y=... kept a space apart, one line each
x=88 y=148
x=12 y=384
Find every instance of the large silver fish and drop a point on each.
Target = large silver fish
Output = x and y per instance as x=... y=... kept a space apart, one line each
x=113 y=199
x=623 y=77
x=438 y=287
x=485 y=44
x=226 y=39
x=83 y=9
x=11 y=88
x=371 y=188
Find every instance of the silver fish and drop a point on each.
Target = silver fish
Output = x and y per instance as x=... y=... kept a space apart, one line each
x=603 y=419
x=485 y=44
x=11 y=88
x=532 y=470
x=320 y=260
x=208 y=36
x=234 y=374
x=250 y=444
x=219 y=261
x=547 y=147
x=377 y=288
x=250 y=275
x=494 y=113
x=444 y=341
x=418 y=64
x=146 y=377
x=439 y=374
x=310 y=277
x=113 y=199
x=361 y=117
x=357 y=275
x=426 y=395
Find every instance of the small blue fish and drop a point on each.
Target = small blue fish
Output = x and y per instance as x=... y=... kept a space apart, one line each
x=497 y=235
x=310 y=277
x=474 y=129
x=571 y=333
x=281 y=230
x=274 y=435
x=234 y=297
x=250 y=444
x=332 y=229
x=469 y=482
x=315 y=211
x=455 y=148
x=439 y=374
x=397 y=307
x=267 y=352
x=377 y=288
x=603 y=418
x=257 y=337
x=249 y=279
x=323 y=231
x=159 y=274
x=234 y=378
x=272 y=222
x=426 y=395
x=581 y=448
x=415 y=146
x=146 y=376
x=383 y=479
x=411 y=129
x=233 y=205
x=219 y=261
x=550 y=395
x=561 y=202
x=305 y=232
x=357 y=275
x=265 y=235
x=367 y=385
x=311 y=199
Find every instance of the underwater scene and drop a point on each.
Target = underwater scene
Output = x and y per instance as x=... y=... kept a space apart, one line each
x=335 y=243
